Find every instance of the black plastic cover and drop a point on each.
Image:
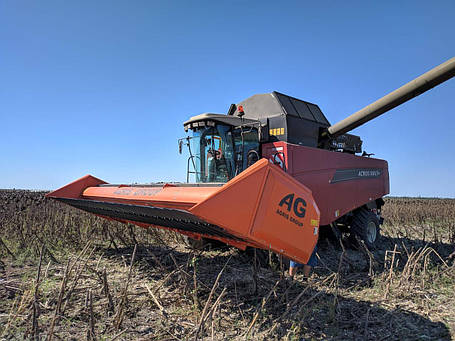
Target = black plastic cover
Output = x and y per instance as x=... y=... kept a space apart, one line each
x=288 y=119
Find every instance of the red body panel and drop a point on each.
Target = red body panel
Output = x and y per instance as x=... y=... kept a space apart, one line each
x=316 y=168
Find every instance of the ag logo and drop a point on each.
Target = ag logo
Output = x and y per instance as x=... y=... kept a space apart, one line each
x=298 y=205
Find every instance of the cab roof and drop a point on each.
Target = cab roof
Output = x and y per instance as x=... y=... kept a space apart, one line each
x=262 y=106
x=217 y=118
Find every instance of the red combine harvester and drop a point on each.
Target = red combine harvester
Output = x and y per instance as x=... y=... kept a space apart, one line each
x=266 y=175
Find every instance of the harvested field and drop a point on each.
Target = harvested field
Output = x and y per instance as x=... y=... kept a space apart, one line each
x=65 y=274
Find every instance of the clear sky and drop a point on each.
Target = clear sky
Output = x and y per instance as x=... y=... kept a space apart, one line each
x=103 y=87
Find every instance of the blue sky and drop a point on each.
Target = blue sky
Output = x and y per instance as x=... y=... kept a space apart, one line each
x=102 y=87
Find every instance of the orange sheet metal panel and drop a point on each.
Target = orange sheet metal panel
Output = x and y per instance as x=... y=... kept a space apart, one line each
x=233 y=205
x=167 y=196
x=74 y=189
x=268 y=207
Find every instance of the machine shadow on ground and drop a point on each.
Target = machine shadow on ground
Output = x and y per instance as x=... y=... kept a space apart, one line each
x=317 y=308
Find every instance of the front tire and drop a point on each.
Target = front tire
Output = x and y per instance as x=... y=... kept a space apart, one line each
x=365 y=225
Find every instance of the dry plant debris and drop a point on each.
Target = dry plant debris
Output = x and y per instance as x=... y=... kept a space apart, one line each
x=67 y=275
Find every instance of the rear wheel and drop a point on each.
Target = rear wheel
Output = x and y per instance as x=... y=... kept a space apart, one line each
x=365 y=225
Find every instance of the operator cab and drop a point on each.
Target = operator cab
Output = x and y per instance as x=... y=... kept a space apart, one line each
x=220 y=147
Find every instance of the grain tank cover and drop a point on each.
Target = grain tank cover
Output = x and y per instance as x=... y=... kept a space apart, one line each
x=289 y=119
x=275 y=103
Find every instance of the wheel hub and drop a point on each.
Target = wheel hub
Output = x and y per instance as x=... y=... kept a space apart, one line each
x=371 y=232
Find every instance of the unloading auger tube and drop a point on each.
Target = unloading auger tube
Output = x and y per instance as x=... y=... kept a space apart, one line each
x=414 y=88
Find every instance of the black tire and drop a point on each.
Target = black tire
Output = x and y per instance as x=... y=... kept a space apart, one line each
x=365 y=225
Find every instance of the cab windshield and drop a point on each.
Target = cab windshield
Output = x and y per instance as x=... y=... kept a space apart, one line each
x=220 y=152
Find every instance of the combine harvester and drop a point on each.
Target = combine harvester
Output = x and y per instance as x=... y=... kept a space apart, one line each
x=266 y=175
